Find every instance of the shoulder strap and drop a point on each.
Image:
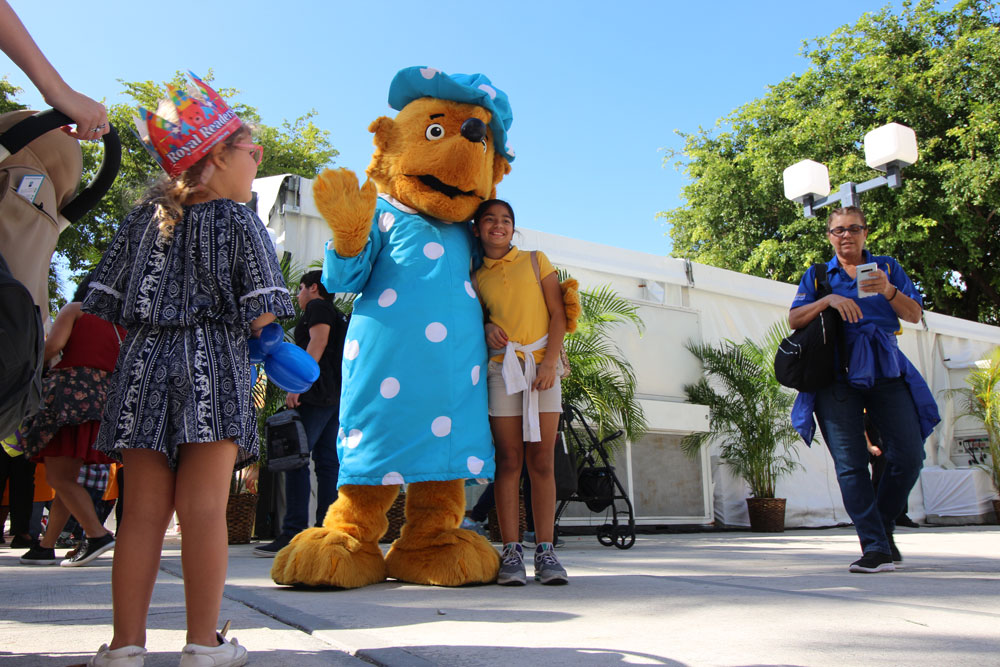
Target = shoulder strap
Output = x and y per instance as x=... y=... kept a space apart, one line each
x=821 y=280
x=534 y=265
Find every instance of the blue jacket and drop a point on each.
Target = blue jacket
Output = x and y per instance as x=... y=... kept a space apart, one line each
x=873 y=353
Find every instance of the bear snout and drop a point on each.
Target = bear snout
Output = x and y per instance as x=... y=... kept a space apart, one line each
x=474 y=130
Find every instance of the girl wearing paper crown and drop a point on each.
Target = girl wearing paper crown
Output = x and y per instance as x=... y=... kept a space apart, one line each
x=191 y=274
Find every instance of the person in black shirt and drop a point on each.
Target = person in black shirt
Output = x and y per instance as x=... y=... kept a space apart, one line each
x=320 y=332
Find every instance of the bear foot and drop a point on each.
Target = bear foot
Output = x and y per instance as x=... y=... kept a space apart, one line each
x=453 y=557
x=328 y=557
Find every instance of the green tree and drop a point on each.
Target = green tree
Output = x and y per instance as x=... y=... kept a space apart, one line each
x=937 y=71
x=8 y=96
x=602 y=382
x=296 y=147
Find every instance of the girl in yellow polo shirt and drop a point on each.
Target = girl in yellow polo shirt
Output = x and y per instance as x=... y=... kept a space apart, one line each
x=525 y=325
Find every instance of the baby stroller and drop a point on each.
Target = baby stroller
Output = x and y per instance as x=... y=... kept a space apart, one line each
x=597 y=485
x=40 y=169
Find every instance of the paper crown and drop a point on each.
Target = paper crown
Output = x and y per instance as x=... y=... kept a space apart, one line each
x=200 y=119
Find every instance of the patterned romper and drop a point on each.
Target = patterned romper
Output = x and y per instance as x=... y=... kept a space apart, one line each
x=183 y=373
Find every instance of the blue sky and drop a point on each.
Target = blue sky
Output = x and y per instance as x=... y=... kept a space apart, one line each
x=597 y=88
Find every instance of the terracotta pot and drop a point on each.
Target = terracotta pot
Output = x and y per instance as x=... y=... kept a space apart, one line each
x=767 y=515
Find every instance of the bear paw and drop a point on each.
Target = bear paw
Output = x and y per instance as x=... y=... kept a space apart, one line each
x=453 y=557
x=347 y=209
x=328 y=557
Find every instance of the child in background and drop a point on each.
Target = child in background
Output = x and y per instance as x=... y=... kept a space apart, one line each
x=526 y=322
x=191 y=274
x=66 y=427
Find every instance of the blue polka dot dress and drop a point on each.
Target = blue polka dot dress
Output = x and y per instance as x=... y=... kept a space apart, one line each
x=413 y=399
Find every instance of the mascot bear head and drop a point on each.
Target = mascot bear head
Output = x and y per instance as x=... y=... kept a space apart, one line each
x=446 y=150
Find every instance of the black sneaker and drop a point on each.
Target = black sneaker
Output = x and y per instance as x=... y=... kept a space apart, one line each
x=39 y=555
x=906 y=522
x=897 y=558
x=91 y=549
x=872 y=562
x=270 y=550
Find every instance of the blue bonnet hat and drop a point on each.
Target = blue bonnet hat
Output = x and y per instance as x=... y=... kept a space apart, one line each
x=412 y=83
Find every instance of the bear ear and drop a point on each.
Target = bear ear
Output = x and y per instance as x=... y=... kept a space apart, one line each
x=501 y=167
x=383 y=128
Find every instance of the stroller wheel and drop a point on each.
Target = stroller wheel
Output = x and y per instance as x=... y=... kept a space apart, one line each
x=624 y=537
x=606 y=535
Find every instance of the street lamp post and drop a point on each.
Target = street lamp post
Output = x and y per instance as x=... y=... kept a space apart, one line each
x=889 y=149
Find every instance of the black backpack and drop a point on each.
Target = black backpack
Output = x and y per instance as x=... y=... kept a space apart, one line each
x=807 y=359
x=22 y=348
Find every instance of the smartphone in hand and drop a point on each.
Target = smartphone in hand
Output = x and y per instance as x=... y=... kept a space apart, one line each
x=865 y=272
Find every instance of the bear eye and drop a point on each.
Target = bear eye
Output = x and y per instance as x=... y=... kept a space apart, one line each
x=434 y=132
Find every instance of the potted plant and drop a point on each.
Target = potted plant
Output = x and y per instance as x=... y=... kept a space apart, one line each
x=981 y=400
x=748 y=418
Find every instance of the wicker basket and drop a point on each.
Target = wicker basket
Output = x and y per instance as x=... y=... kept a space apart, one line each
x=240 y=514
x=494 y=525
x=397 y=517
x=767 y=515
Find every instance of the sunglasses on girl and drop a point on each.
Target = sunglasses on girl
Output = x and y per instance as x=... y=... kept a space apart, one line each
x=256 y=151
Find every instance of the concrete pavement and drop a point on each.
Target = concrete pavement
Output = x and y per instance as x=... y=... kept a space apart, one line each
x=712 y=598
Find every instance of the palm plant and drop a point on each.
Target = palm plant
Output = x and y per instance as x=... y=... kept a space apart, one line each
x=748 y=410
x=602 y=382
x=981 y=400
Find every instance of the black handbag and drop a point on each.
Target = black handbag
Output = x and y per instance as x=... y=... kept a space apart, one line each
x=807 y=359
x=287 y=444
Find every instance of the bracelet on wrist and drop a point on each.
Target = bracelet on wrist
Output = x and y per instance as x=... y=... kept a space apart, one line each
x=894 y=293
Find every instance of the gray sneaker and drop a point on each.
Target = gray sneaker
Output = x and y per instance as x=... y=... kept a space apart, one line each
x=512 y=566
x=547 y=568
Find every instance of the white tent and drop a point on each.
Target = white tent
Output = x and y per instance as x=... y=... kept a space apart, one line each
x=680 y=301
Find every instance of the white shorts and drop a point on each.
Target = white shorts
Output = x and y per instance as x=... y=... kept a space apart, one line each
x=504 y=405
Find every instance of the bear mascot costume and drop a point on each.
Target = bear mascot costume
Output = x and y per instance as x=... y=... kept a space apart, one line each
x=413 y=406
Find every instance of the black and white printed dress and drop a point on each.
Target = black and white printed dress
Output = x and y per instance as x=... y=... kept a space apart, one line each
x=183 y=373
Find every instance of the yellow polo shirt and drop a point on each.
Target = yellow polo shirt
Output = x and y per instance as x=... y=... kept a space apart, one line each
x=514 y=298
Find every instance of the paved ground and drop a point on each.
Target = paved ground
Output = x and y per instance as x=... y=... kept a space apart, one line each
x=722 y=598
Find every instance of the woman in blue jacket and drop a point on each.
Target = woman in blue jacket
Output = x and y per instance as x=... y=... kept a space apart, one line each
x=879 y=380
